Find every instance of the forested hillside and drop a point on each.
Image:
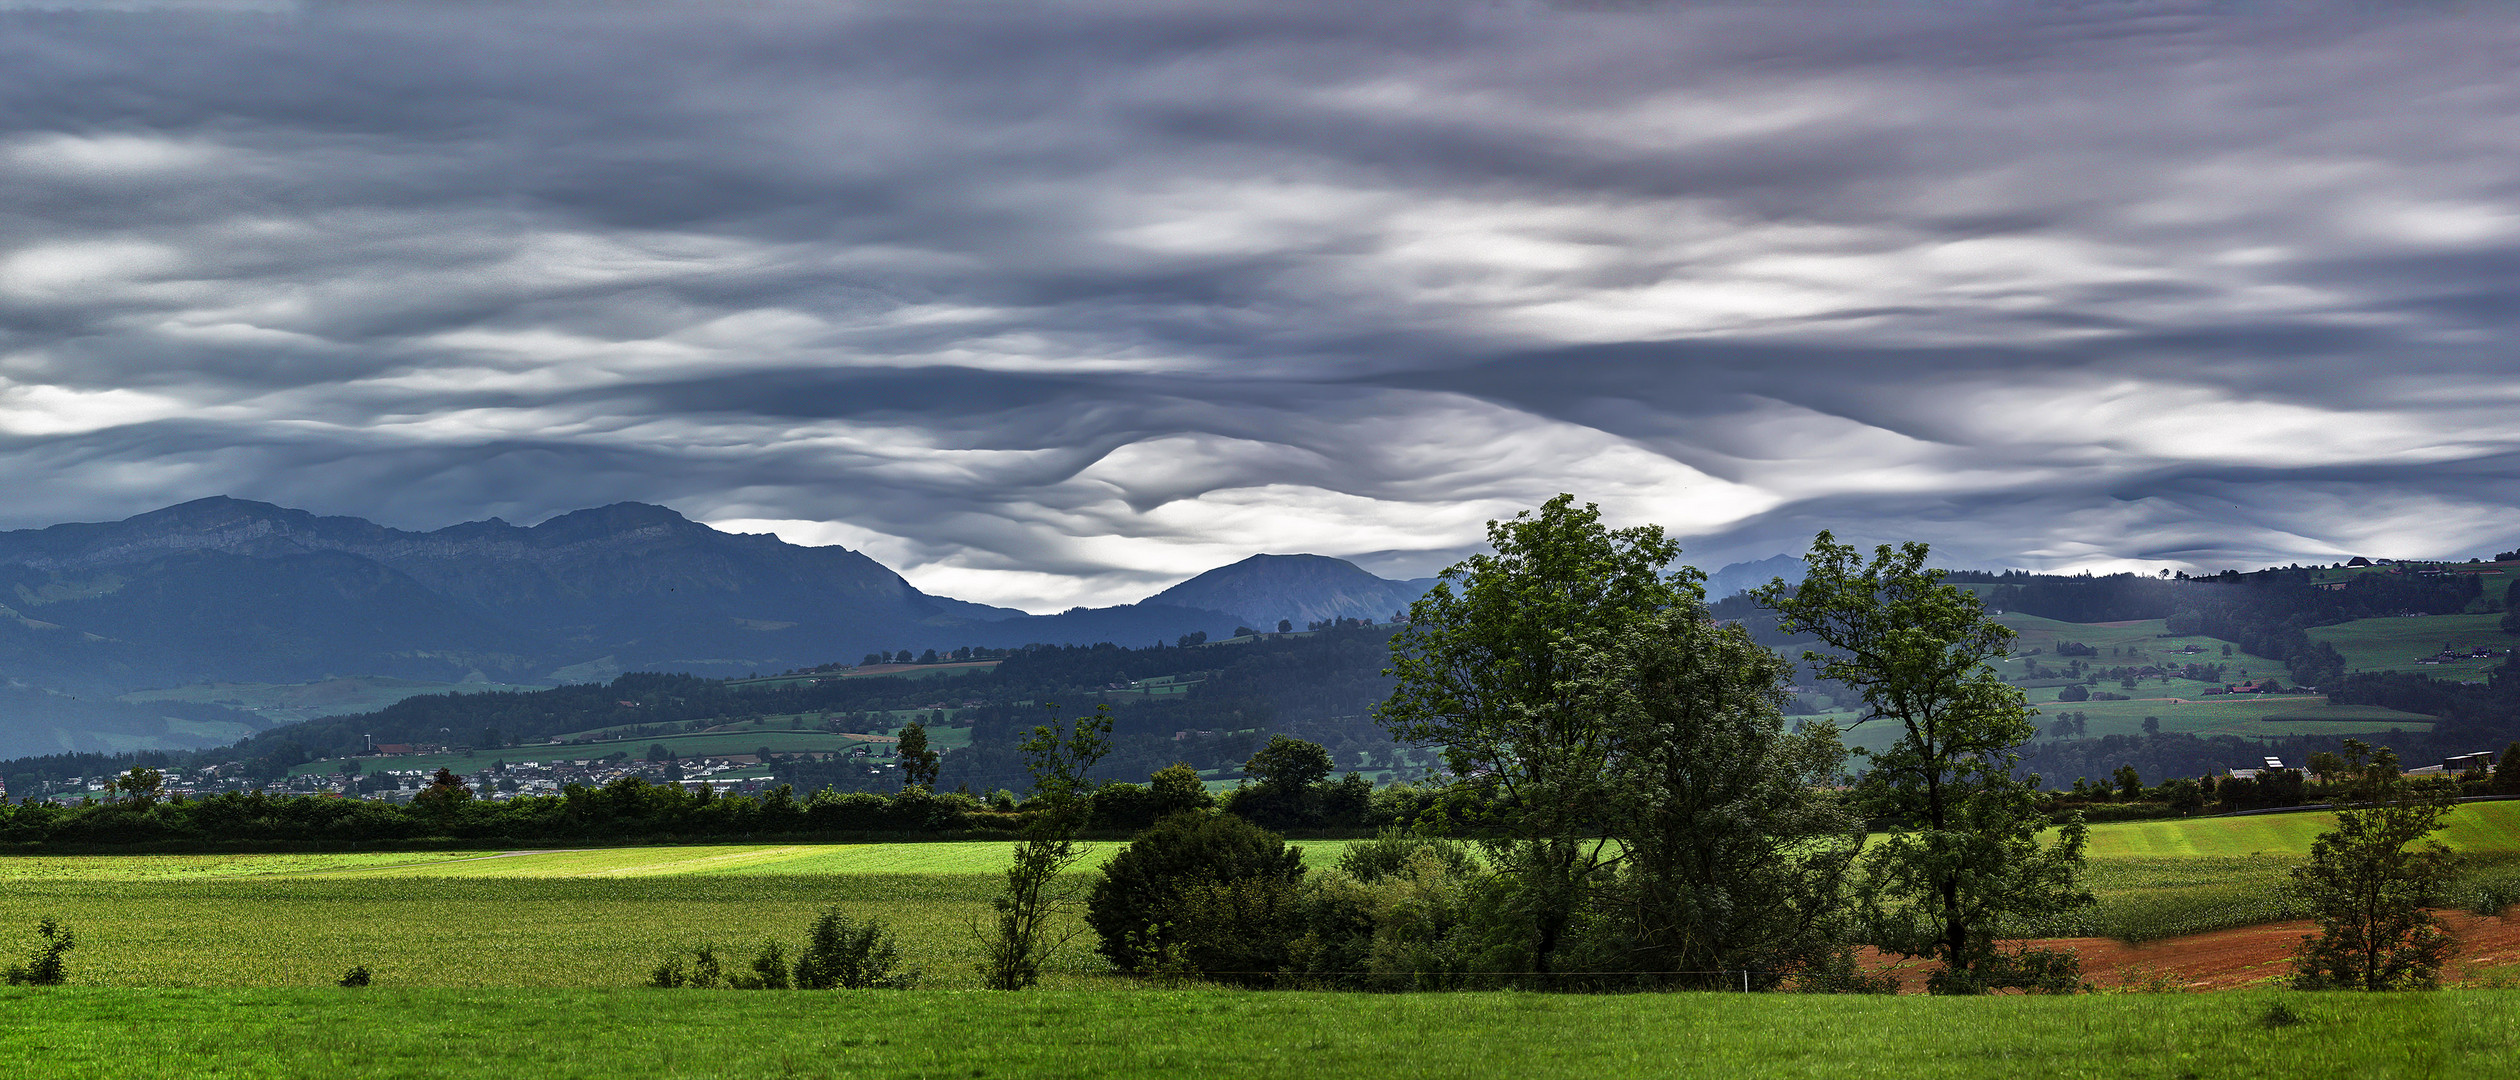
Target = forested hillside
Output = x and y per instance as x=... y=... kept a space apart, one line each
x=1215 y=705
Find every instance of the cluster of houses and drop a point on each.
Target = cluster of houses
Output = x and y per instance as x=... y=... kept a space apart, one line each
x=2450 y=654
x=2452 y=765
x=2256 y=686
x=728 y=774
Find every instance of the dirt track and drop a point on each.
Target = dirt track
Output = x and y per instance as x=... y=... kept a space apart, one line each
x=2250 y=955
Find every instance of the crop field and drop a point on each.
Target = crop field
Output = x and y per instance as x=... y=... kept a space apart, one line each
x=2396 y=644
x=384 y=1031
x=2179 y=710
x=2140 y=636
x=2474 y=827
x=2229 y=714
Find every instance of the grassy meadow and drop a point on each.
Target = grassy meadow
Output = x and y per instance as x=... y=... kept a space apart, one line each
x=2396 y=644
x=390 y=1032
x=530 y=963
x=603 y=917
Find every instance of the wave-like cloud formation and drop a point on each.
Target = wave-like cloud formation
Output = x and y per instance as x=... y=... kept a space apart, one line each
x=1056 y=304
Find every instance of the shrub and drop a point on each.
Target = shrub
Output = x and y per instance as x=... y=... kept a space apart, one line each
x=45 y=967
x=844 y=955
x=1203 y=893
x=2031 y=971
x=1391 y=852
x=1124 y=806
x=1408 y=913
x=770 y=969
x=705 y=971
x=358 y=976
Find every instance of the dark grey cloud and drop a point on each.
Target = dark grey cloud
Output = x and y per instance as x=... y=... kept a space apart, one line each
x=1047 y=304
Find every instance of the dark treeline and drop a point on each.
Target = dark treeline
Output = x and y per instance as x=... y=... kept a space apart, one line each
x=632 y=809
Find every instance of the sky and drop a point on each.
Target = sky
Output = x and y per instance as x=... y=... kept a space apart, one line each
x=1047 y=304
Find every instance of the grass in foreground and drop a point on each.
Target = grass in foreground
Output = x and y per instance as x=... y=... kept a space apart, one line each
x=387 y=1032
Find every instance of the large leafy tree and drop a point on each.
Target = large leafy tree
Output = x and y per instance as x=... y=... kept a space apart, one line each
x=2369 y=878
x=1492 y=667
x=1967 y=855
x=1735 y=841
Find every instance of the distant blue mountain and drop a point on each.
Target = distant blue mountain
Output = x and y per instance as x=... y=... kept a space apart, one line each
x=1744 y=576
x=228 y=590
x=1300 y=589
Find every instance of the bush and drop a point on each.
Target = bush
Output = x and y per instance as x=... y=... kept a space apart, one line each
x=844 y=955
x=1124 y=806
x=2031 y=971
x=1198 y=893
x=1405 y=913
x=770 y=969
x=45 y=967
x=705 y=971
x=358 y=976
x=1392 y=853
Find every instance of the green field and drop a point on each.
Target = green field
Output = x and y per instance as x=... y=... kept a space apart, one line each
x=385 y=1031
x=2492 y=578
x=2236 y=714
x=2138 y=642
x=2182 y=705
x=602 y=917
x=2396 y=644
x=588 y=918
x=2243 y=715
x=2486 y=827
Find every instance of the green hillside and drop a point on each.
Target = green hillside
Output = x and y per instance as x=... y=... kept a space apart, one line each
x=2402 y=644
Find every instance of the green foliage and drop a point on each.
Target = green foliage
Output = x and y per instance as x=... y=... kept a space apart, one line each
x=357 y=977
x=1197 y=894
x=1406 y=913
x=1734 y=846
x=703 y=973
x=1396 y=853
x=844 y=955
x=1966 y=854
x=1289 y=764
x=45 y=967
x=2369 y=879
x=1057 y=756
x=140 y=784
x=918 y=763
x=1287 y=789
x=1176 y=788
x=1485 y=669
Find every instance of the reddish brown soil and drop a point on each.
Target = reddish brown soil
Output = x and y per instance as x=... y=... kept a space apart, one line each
x=2230 y=959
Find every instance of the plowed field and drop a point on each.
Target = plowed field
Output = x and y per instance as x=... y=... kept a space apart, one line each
x=2246 y=956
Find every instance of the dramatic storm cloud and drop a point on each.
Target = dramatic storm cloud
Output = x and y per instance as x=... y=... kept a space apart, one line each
x=1054 y=304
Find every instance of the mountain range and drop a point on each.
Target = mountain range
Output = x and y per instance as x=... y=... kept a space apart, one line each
x=227 y=590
